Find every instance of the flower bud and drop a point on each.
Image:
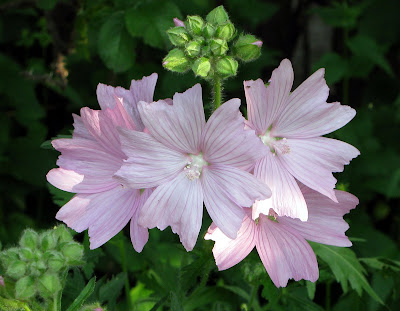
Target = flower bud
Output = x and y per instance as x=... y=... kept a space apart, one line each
x=55 y=260
x=193 y=48
x=218 y=47
x=48 y=241
x=26 y=254
x=194 y=24
x=201 y=67
x=218 y=16
x=178 y=22
x=61 y=234
x=72 y=251
x=29 y=239
x=178 y=36
x=227 y=66
x=25 y=287
x=16 y=269
x=48 y=285
x=226 y=31
x=176 y=61
x=247 y=48
x=208 y=31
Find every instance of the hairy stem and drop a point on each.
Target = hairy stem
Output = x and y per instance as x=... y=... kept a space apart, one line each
x=217 y=86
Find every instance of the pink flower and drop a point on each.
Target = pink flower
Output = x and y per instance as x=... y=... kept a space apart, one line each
x=290 y=126
x=280 y=241
x=89 y=160
x=191 y=162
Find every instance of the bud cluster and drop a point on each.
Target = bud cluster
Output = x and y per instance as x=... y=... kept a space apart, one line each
x=37 y=263
x=209 y=47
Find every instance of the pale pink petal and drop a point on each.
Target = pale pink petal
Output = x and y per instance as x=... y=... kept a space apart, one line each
x=225 y=141
x=178 y=126
x=313 y=160
x=140 y=90
x=106 y=96
x=284 y=253
x=221 y=207
x=287 y=199
x=243 y=187
x=149 y=162
x=264 y=104
x=102 y=128
x=104 y=213
x=325 y=223
x=92 y=167
x=139 y=234
x=228 y=252
x=179 y=204
x=80 y=130
x=310 y=121
x=309 y=96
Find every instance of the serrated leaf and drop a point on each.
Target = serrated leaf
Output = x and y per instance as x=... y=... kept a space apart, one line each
x=346 y=268
x=365 y=47
x=340 y=15
x=115 y=46
x=112 y=289
x=151 y=20
x=380 y=263
x=85 y=293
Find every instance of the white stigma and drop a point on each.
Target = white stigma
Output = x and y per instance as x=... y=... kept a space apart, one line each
x=275 y=144
x=194 y=166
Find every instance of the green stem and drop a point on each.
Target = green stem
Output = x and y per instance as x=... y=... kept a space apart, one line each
x=253 y=295
x=217 y=91
x=125 y=269
x=328 y=297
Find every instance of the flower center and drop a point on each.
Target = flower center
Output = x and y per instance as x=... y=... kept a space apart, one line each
x=194 y=166
x=275 y=144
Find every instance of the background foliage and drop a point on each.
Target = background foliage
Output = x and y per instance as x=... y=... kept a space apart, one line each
x=53 y=53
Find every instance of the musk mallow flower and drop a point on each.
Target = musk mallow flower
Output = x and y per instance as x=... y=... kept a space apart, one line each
x=191 y=161
x=281 y=241
x=89 y=160
x=290 y=126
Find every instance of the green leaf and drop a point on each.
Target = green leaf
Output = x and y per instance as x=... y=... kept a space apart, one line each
x=47 y=144
x=138 y=293
x=12 y=305
x=365 y=47
x=311 y=287
x=175 y=303
x=112 y=289
x=115 y=46
x=340 y=15
x=151 y=21
x=346 y=268
x=380 y=263
x=335 y=66
x=46 y=4
x=80 y=300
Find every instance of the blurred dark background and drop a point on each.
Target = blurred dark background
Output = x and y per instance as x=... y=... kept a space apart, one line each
x=53 y=53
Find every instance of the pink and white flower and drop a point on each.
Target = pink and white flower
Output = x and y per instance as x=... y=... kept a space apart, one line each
x=89 y=160
x=189 y=162
x=290 y=126
x=281 y=241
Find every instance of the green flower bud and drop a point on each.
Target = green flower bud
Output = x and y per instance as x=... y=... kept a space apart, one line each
x=55 y=260
x=218 y=16
x=227 y=66
x=193 y=48
x=25 y=287
x=48 y=241
x=201 y=67
x=29 y=239
x=72 y=251
x=61 y=234
x=26 y=254
x=178 y=36
x=218 y=47
x=8 y=256
x=48 y=285
x=247 y=48
x=226 y=31
x=16 y=269
x=208 y=31
x=176 y=61
x=195 y=24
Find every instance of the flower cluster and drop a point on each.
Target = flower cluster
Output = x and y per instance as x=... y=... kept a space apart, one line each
x=265 y=182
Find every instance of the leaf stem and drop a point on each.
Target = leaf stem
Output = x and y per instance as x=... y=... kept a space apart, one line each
x=217 y=86
x=125 y=269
